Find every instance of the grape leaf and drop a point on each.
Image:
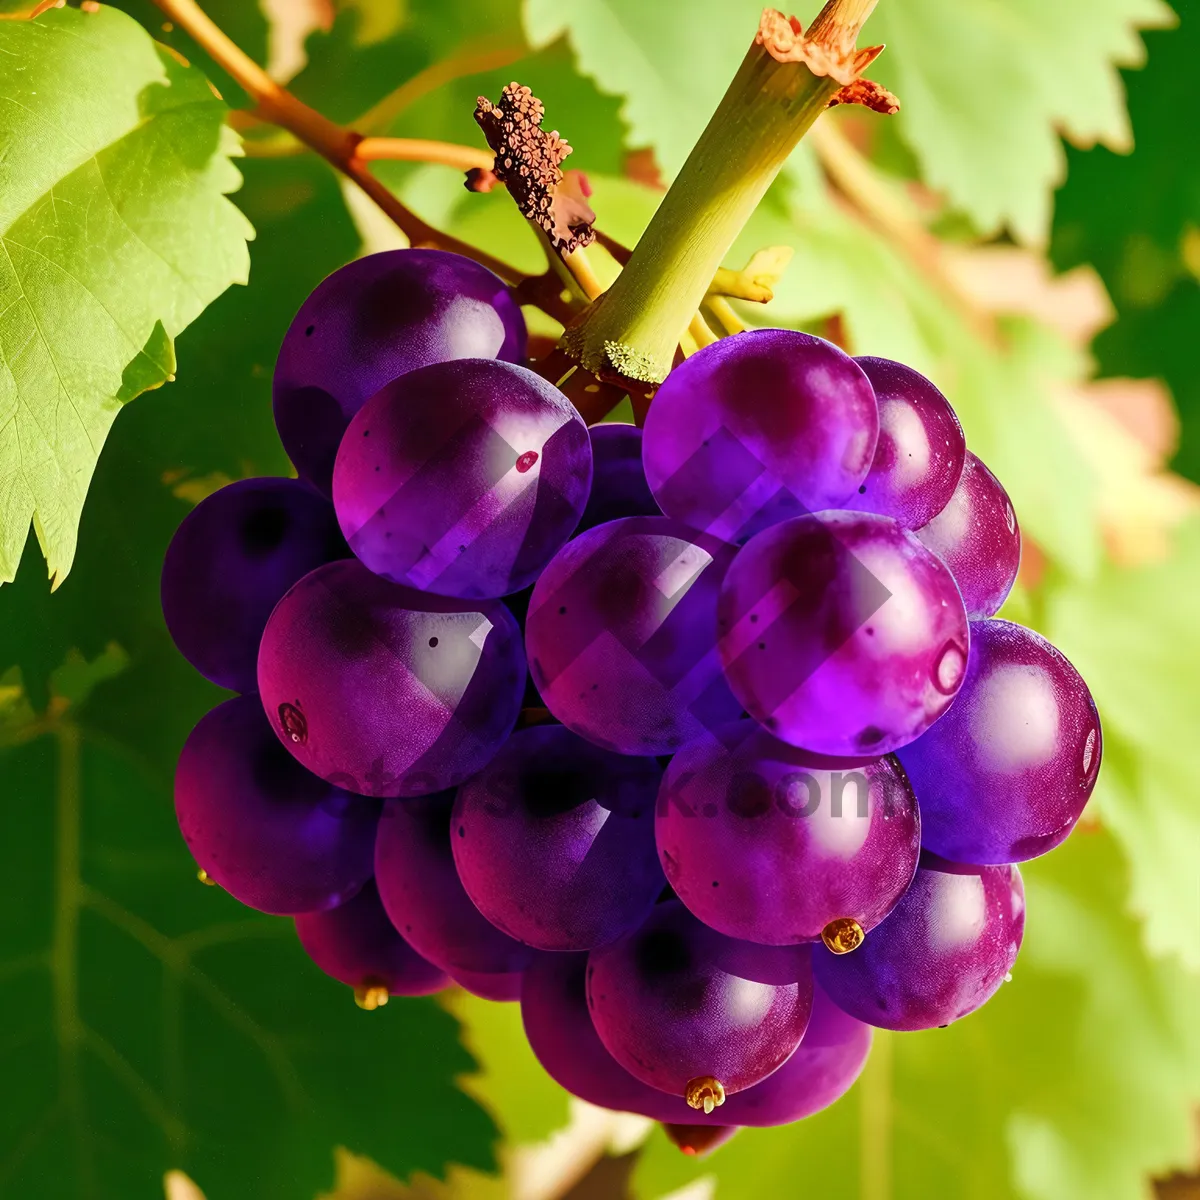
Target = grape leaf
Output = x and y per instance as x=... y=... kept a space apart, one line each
x=671 y=66
x=1132 y=635
x=1130 y=216
x=244 y=23
x=156 y=1023
x=116 y=234
x=1073 y=1083
x=523 y=1100
x=985 y=88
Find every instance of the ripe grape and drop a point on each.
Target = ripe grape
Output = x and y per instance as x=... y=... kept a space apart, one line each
x=499 y=986
x=231 y=559
x=1005 y=774
x=822 y=1069
x=421 y=891
x=757 y=428
x=842 y=633
x=357 y=945
x=384 y=690
x=271 y=834
x=776 y=845
x=558 y=1026
x=976 y=535
x=693 y=1012
x=554 y=840
x=372 y=321
x=619 y=487
x=560 y=1031
x=919 y=456
x=621 y=635
x=463 y=478
x=945 y=949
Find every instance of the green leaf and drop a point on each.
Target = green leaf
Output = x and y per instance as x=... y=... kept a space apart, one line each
x=985 y=88
x=156 y=1023
x=116 y=234
x=1132 y=635
x=670 y=65
x=522 y=1099
x=243 y=22
x=1130 y=217
x=1074 y=1083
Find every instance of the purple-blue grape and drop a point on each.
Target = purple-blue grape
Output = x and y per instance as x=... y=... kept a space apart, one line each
x=554 y=840
x=369 y=323
x=387 y=691
x=619 y=487
x=231 y=559
x=271 y=834
x=776 y=845
x=841 y=633
x=945 y=949
x=357 y=945
x=757 y=428
x=463 y=478
x=621 y=635
x=1005 y=774
x=560 y=1031
x=919 y=456
x=501 y=987
x=977 y=536
x=426 y=901
x=695 y=1013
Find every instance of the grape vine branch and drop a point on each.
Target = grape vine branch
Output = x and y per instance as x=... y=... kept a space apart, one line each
x=623 y=339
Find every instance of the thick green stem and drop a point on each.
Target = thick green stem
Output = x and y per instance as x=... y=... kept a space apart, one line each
x=634 y=327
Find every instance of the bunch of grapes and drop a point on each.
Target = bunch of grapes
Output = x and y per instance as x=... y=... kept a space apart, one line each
x=703 y=743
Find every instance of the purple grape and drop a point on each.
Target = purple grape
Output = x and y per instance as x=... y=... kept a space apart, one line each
x=357 y=945
x=422 y=894
x=387 y=691
x=621 y=632
x=271 y=834
x=372 y=321
x=463 y=478
x=822 y=1069
x=776 y=845
x=976 y=535
x=842 y=633
x=554 y=1011
x=554 y=840
x=921 y=448
x=759 y=427
x=945 y=949
x=561 y=1033
x=695 y=1013
x=619 y=487
x=501 y=987
x=231 y=559
x=1005 y=774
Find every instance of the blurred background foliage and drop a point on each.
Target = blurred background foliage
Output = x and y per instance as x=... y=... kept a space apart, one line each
x=1027 y=232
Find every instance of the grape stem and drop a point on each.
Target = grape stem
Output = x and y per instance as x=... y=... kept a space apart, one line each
x=275 y=104
x=786 y=80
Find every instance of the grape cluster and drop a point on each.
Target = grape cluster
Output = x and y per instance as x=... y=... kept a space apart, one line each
x=706 y=745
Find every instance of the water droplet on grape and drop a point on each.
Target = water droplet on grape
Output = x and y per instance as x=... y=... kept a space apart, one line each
x=948 y=673
x=1089 y=751
x=294 y=723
